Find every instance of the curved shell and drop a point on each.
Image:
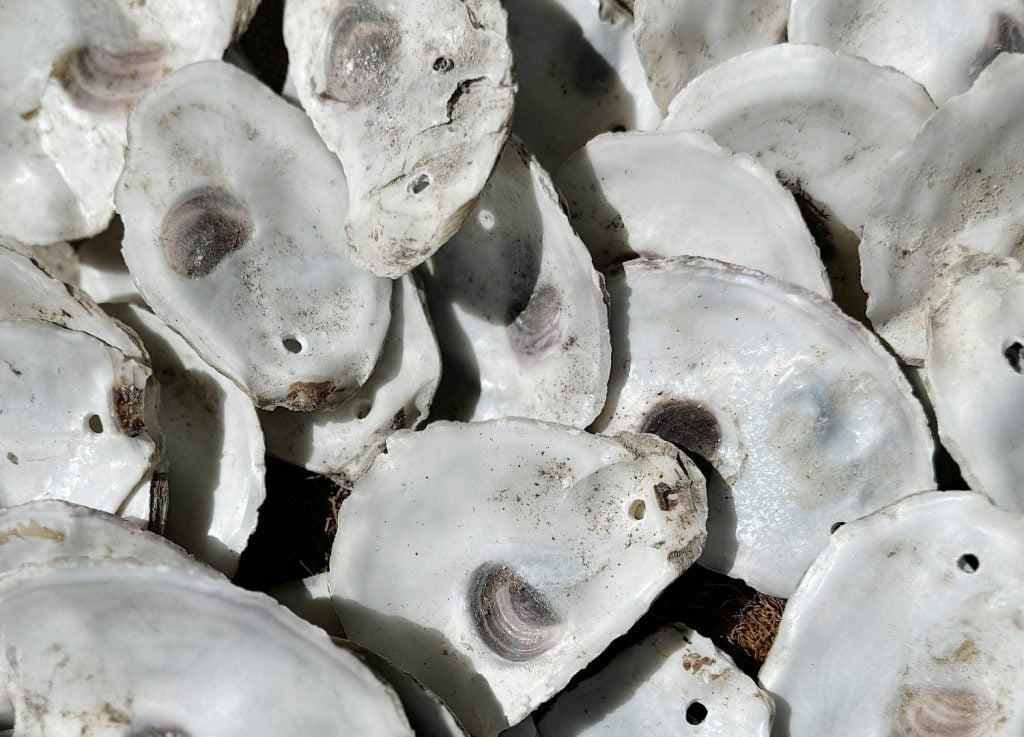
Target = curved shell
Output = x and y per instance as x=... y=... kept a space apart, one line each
x=677 y=193
x=415 y=98
x=803 y=415
x=933 y=588
x=220 y=227
x=112 y=649
x=942 y=44
x=958 y=183
x=568 y=540
x=826 y=123
x=519 y=309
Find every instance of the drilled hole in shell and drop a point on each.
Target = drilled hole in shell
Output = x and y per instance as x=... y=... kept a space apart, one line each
x=292 y=344
x=1013 y=352
x=696 y=713
x=968 y=563
x=443 y=64
x=537 y=330
x=99 y=80
x=638 y=509
x=419 y=183
x=95 y=423
x=513 y=619
x=206 y=226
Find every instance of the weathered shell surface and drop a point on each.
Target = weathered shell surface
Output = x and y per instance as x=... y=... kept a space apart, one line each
x=679 y=194
x=113 y=649
x=943 y=44
x=670 y=683
x=343 y=442
x=415 y=98
x=679 y=39
x=213 y=444
x=958 y=183
x=826 y=123
x=568 y=539
x=519 y=309
x=804 y=416
x=229 y=201
x=909 y=624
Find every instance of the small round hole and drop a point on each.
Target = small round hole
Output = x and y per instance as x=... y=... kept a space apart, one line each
x=637 y=509
x=419 y=183
x=696 y=713
x=1014 y=355
x=95 y=424
x=443 y=64
x=363 y=409
x=292 y=344
x=835 y=526
x=968 y=563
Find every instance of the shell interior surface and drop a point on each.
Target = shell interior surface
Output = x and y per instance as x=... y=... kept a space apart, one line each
x=415 y=98
x=213 y=444
x=801 y=412
x=973 y=374
x=71 y=72
x=970 y=159
x=129 y=650
x=944 y=45
x=569 y=538
x=343 y=442
x=229 y=200
x=673 y=682
x=679 y=39
x=826 y=123
x=934 y=587
x=677 y=193
x=518 y=307
x=579 y=76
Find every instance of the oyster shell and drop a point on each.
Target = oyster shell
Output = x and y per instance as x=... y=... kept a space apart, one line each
x=944 y=45
x=579 y=76
x=221 y=227
x=908 y=624
x=679 y=39
x=112 y=649
x=213 y=445
x=973 y=372
x=519 y=309
x=675 y=193
x=957 y=183
x=343 y=442
x=102 y=273
x=826 y=123
x=415 y=98
x=71 y=70
x=555 y=543
x=804 y=417
x=668 y=683
x=310 y=599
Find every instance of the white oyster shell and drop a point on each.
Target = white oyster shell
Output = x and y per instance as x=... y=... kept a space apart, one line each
x=102 y=273
x=113 y=650
x=69 y=73
x=679 y=39
x=415 y=98
x=519 y=309
x=826 y=123
x=973 y=374
x=958 y=183
x=343 y=442
x=910 y=623
x=677 y=193
x=230 y=201
x=568 y=539
x=673 y=682
x=798 y=408
x=213 y=444
x=310 y=599
x=579 y=76
x=943 y=44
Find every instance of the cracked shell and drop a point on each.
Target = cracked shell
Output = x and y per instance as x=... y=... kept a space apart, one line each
x=139 y=651
x=804 y=417
x=569 y=539
x=229 y=199
x=676 y=193
x=932 y=587
x=669 y=683
x=519 y=309
x=415 y=98
x=826 y=123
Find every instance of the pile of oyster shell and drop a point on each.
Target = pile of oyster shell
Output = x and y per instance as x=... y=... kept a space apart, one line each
x=567 y=297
